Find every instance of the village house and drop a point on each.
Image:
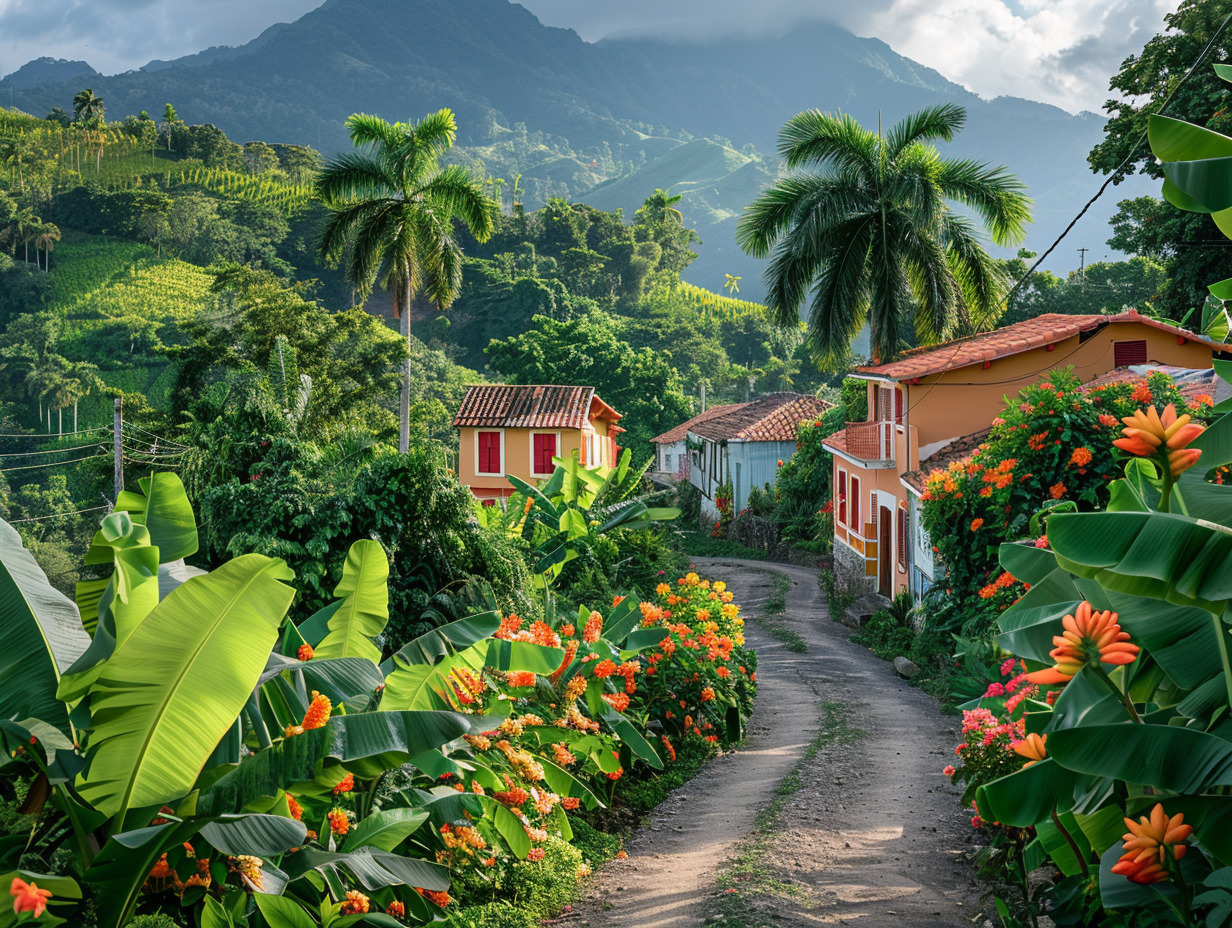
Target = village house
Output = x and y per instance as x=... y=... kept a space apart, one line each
x=516 y=431
x=744 y=444
x=671 y=448
x=935 y=405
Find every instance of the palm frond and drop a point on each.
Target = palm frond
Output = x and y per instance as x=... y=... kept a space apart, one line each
x=840 y=299
x=982 y=284
x=926 y=125
x=817 y=138
x=453 y=191
x=368 y=131
x=932 y=284
x=353 y=176
x=768 y=217
x=997 y=196
x=890 y=299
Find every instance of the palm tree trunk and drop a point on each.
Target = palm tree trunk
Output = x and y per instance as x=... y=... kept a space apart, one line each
x=60 y=421
x=74 y=415
x=404 y=404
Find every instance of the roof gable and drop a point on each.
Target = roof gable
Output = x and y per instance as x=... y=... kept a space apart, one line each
x=776 y=417
x=679 y=433
x=533 y=406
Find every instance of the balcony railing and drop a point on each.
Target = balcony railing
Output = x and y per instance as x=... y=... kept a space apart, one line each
x=871 y=441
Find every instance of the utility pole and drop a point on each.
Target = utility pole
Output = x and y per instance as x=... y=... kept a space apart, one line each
x=1082 y=267
x=703 y=387
x=118 y=446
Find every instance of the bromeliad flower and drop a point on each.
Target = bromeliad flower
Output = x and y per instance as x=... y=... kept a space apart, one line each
x=1165 y=437
x=1032 y=748
x=1149 y=843
x=1090 y=637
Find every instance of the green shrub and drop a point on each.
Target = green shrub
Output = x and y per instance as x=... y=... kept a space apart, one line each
x=891 y=631
x=492 y=915
x=543 y=888
x=645 y=790
x=158 y=920
x=596 y=847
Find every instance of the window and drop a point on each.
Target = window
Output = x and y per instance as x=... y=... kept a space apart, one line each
x=542 y=450
x=901 y=537
x=898 y=405
x=490 y=456
x=1126 y=353
x=855 y=505
x=842 y=497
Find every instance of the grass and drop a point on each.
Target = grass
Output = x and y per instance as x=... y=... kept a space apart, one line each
x=749 y=876
x=699 y=544
x=776 y=604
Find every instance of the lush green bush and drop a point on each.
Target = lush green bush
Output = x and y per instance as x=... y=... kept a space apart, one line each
x=492 y=915
x=542 y=888
x=596 y=847
x=646 y=790
x=890 y=632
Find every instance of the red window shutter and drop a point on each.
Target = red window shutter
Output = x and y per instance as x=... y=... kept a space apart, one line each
x=855 y=505
x=898 y=405
x=842 y=497
x=545 y=450
x=489 y=452
x=1126 y=353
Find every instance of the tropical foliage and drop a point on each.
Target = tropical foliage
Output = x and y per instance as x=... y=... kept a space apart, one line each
x=178 y=745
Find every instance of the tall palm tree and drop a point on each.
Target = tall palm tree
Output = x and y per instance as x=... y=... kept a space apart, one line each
x=392 y=212
x=46 y=234
x=862 y=221
x=87 y=106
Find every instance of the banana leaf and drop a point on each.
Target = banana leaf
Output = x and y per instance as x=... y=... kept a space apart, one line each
x=364 y=611
x=373 y=869
x=162 y=506
x=448 y=639
x=1167 y=757
x=41 y=636
x=173 y=688
x=386 y=829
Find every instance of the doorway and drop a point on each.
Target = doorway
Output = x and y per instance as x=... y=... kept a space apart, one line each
x=885 y=551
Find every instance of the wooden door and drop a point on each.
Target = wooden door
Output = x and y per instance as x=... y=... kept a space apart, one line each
x=885 y=552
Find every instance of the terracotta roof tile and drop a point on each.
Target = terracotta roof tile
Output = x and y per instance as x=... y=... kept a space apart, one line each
x=671 y=436
x=528 y=407
x=956 y=450
x=776 y=417
x=1013 y=339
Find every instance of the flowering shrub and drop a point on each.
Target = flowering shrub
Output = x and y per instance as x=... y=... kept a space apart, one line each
x=1051 y=445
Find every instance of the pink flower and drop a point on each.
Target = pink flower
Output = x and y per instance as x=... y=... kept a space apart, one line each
x=994 y=689
x=1007 y=666
x=949 y=770
x=1042 y=541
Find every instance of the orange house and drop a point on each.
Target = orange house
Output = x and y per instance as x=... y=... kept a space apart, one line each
x=515 y=431
x=935 y=404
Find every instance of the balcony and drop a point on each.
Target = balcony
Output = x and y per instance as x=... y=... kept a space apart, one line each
x=872 y=443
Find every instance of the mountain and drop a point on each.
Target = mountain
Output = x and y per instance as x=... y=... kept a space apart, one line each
x=602 y=122
x=43 y=71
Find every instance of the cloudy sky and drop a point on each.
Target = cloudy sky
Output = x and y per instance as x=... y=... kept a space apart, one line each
x=1057 y=51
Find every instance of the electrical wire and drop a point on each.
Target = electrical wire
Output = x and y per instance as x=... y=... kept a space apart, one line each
x=157 y=437
x=1116 y=174
x=60 y=515
x=24 y=454
x=101 y=428
x=9 y=470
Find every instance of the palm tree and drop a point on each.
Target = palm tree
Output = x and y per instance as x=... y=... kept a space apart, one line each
x=869 y=231
x=661 y=206
x=46 y=234
x=392 y=210
x=87 y=106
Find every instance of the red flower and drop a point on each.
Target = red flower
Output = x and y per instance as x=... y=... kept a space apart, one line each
x=27 y=897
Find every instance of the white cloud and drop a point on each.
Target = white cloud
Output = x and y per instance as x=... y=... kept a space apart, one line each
x=1057 y=51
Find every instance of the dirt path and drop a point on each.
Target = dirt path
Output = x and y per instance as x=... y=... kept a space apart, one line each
x=872 y=835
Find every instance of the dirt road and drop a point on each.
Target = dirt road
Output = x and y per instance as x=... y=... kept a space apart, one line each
x=871 y=832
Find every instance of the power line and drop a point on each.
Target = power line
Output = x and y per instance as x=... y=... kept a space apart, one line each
x=24 y=454
x=9 y=470
x=101 y=428
x=156 y=437
x=1116 y=174
x=59 y=515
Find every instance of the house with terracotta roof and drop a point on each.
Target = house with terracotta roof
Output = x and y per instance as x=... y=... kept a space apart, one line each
x=743 y=444
x=934 y=405
x=517 y=430
x=671 y=448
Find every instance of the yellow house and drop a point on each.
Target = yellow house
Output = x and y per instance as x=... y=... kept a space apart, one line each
x=515 y=431
x=934 y=405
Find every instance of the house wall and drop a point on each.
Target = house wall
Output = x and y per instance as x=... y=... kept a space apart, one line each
x=958 y=402
x=672 y=459
x=754 y=464
x=517 y=446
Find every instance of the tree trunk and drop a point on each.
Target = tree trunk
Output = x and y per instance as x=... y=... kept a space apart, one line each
x=74 y=415
x=60 y=421
x=404 y=405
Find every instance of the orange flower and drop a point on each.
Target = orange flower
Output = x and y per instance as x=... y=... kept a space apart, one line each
x=305 y=652
x=318 y=712
x=1203 y=399
x=1149 y=434
x=977 y=524
x=297 y=811
x=1105 y=419
x=339 y=824
x=594 y=626
x=1032 y=748
x=604 y=668
x=707 y=694
x=1081 y=457
x=27 y=897
x=440 y=898
x=356 y=903
x=521 y=678
x=1057 y=490
x=571 y=802
x=345 y=785
x=1089 y=637
x=1148 y=844
x=396 y=909
x=1142 y=393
